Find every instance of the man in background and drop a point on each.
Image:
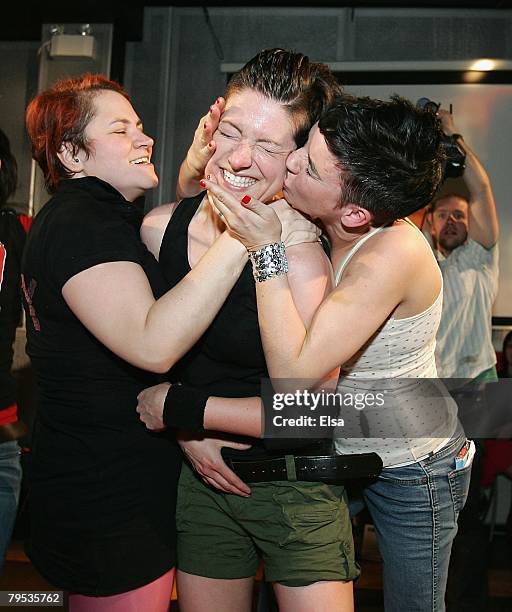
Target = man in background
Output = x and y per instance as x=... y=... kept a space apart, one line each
x=464 y=232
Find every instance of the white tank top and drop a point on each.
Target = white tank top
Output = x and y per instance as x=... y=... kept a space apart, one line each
x=415 y=417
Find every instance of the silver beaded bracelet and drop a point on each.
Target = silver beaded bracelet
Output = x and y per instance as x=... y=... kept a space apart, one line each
x=268 y=261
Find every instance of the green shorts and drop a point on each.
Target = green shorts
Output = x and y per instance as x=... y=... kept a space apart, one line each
x=301 y=531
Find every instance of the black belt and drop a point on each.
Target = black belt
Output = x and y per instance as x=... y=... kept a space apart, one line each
x=324 y=468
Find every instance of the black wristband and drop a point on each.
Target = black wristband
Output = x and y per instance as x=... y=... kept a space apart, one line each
x=184 y=407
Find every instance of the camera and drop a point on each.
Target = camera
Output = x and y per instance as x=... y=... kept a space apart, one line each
x=455 y=160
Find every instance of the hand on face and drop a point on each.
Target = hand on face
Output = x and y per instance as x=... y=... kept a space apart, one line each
x=296 y=229
x=251 y=221
x=256 y=224
x=203 y=146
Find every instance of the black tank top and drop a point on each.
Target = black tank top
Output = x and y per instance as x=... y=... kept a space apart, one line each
x=228 y=360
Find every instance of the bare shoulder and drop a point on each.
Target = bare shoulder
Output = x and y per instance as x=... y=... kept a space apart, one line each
x=154 y=225
x=401 y=245
x=398 y=264
x=160 y=215
x=393 y=256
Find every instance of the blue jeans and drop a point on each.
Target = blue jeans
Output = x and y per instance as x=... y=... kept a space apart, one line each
x=415 y=510
x=10 y=483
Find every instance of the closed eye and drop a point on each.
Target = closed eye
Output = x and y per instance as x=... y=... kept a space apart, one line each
x=311 y=169
x=270 y=150
x=225 y=134
x=227 y=130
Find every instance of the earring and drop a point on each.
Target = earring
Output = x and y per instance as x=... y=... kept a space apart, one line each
x=76 y=160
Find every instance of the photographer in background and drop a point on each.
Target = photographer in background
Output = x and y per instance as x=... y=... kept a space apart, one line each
x=465 y=235
x=12 y=236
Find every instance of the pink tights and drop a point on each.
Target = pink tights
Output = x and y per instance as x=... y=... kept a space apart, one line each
x=152 y=597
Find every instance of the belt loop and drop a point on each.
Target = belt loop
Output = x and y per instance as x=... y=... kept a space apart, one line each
x=290 y=467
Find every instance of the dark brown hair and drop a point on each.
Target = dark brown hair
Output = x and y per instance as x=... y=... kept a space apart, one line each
x=305 y=88
x=389 y=154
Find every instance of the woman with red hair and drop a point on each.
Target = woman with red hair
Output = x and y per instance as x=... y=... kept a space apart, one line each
x=99 y=325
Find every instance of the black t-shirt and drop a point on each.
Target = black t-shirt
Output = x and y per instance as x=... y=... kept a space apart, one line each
x=102 y=487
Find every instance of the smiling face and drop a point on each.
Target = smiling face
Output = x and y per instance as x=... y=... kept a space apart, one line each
x=450 y=223
x=253 y=140
x=312 y=185
x=120 y=151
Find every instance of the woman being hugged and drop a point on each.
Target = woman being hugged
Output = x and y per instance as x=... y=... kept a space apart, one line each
x=300 y=529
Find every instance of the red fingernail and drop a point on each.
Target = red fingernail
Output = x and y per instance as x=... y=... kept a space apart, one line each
x=205 y=126
x=217 y=101
x=202 y=183
x=246 y=199
x=211 y=110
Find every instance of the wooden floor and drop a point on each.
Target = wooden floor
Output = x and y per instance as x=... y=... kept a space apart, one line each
x=20 y=574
